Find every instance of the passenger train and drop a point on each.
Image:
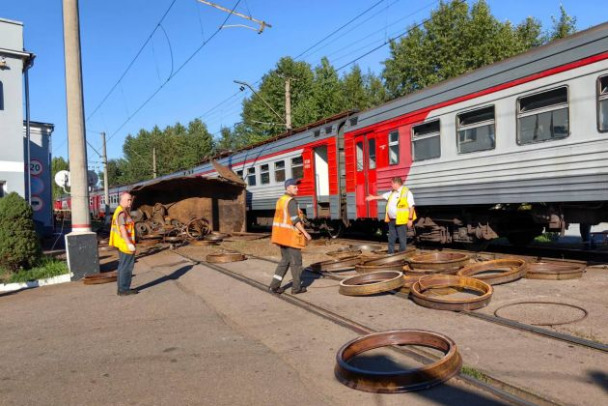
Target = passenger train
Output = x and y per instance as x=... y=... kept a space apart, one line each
x=508 y=150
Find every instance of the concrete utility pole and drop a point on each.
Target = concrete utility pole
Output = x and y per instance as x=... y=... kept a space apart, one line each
x=154 y=163
x=288 y=104
x=81 y=243
x=106 y=190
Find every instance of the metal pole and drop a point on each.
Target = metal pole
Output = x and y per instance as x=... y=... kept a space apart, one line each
x=75 y=118
x=28 y=134
x=288 y=104
x=154 y=163
x=262 y=24
x=106 y=191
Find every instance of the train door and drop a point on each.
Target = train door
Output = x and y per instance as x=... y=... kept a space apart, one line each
x=321 y=170
x=365 y=175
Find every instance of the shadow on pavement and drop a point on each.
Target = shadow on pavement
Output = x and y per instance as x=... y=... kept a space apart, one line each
x=171 y=277
x=601 y=378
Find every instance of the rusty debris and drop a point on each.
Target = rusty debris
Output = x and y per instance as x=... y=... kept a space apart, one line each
x=398 y=381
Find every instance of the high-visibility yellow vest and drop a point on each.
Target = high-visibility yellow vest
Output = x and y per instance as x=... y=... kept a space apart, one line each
x=403 y=208
x=283 y=231
x=116 y=239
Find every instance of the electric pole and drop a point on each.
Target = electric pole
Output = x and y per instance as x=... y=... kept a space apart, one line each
x=106 y=191
x=75 y=115
x=81 y=243
x=154 y=163
x=288 y=104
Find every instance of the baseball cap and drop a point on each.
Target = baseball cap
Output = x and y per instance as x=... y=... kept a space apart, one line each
x=291 y=181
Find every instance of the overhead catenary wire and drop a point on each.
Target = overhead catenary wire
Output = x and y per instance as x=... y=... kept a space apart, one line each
x=173 y=75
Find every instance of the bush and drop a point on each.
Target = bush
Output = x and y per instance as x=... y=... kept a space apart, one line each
x=19 y=245
x=47 y=267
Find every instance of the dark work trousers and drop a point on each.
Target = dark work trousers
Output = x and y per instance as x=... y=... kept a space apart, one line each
x=290 y=257
x=126 y=262
x=395 y=231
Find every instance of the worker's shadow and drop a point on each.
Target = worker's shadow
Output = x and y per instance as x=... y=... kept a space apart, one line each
x=601 y=378
x=175 y=275
x=308 y=278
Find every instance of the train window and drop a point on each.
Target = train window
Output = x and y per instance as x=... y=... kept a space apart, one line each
x=2 y=188
x=240 y=173
x=279 y=171
x=476 y=130
x=1 y=96
x=251 y=176
x=602 y=103
x=329 y=129
x=393 y=147
x=426 y=142
x=371 y=147
x=543 y=116
x=265 y=174
x=359 y=156
x=297 y=168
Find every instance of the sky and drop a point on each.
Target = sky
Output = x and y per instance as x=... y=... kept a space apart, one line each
x=202 y=61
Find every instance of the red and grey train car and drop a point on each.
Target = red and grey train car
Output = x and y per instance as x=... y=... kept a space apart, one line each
x=508 y=149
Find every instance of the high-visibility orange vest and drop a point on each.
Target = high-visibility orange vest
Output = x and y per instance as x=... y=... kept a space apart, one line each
x=403 y=208
x=283 y=231
x=116 y=239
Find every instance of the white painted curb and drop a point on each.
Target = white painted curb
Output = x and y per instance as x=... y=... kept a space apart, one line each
x=9 y=287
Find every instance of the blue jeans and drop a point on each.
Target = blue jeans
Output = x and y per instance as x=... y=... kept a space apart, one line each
x=126 y=262
x=393 y=231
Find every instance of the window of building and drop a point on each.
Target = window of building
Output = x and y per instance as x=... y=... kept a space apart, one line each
x=359 y=153
x=251 y=176
x=393 y=147
x=1 y=96
x=371 y=145
x=543 y=116
x=426 y=143
x=265 y=174
x=602 y=103
x=297 y=168
x=476 y=130
x=279 y=171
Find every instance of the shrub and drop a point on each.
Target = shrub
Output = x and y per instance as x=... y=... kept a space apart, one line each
x=19 y=245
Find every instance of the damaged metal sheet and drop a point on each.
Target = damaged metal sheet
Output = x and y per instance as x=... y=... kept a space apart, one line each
x=220 y=201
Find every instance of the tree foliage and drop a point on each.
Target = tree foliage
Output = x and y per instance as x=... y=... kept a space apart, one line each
x=19 y=245
x=563 y=26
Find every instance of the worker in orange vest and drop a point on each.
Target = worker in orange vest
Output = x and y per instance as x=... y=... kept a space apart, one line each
x=400 y=212
x=289 y=234
x=122 y=236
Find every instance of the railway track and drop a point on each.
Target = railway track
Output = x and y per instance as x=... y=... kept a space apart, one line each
x=482 y=381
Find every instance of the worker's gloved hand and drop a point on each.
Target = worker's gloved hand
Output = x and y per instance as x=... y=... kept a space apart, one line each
x=131 y=247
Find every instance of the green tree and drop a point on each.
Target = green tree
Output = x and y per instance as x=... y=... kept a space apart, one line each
x=563 y=26
x=456 y=39
x=327 y=90
x=57 y=164
x=19 y=245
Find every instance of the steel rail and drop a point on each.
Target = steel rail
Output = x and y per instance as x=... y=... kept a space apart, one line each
x=502 y=390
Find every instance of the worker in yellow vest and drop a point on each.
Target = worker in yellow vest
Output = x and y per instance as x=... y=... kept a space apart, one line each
x=289 y=234
x=122 y=236
x=400 y=213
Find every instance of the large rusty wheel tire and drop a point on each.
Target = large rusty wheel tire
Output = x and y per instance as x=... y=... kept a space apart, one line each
x=451 y=281
x=398 y=381
x=142 y=228
x=371 y=283
x=506 y=270
x=197 y=228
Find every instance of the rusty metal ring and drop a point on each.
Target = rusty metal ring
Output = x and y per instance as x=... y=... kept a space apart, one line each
x=408 y=281
x=371 y=283
x=204 y=243
x=390 y=258
x=393 y=266
x=554 y=271
x=333 y=265
x=398 y=381
x=447 y=262
x=175 y=238
x=100 y=278
x=585 y=312
x=214 y=236
x=224 y=257
x=343 y=253
x=509 y=270
x=451 y=281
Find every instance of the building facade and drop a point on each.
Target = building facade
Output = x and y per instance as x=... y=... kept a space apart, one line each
x=17 y=144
